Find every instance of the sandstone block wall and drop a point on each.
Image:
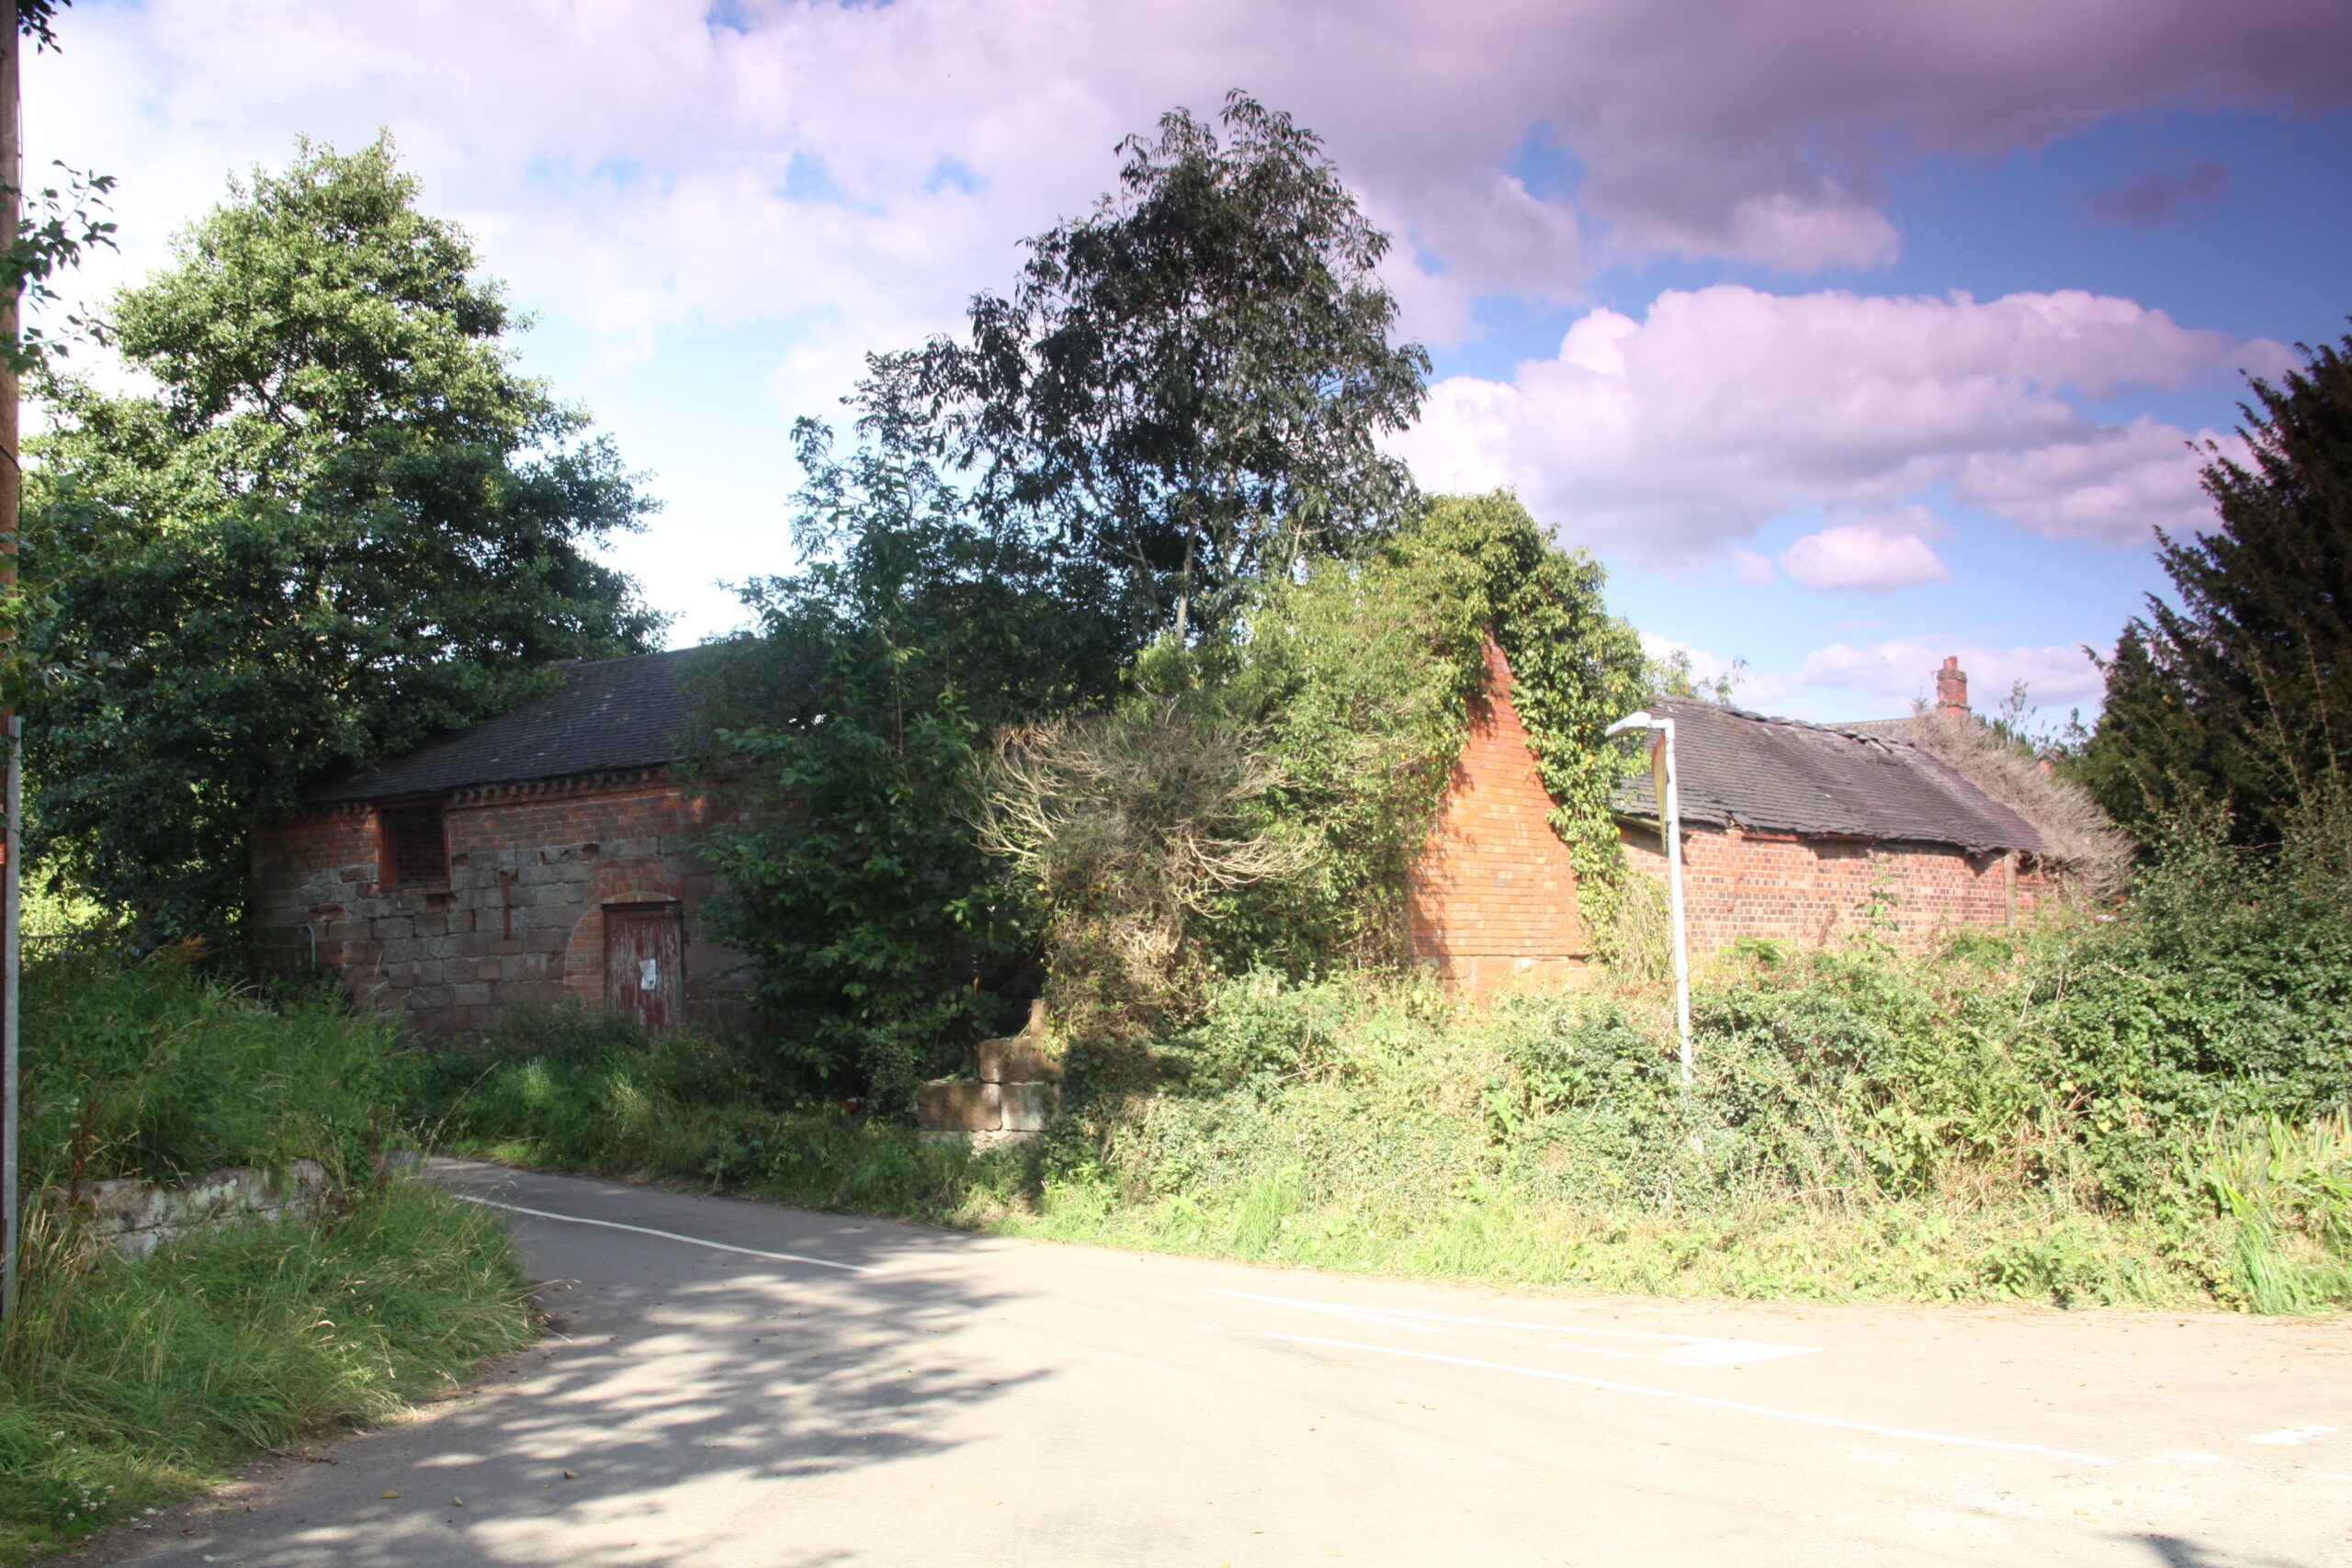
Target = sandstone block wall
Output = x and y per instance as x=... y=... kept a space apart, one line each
x=531 y=871
x=133 y=1217
x=1493 y=900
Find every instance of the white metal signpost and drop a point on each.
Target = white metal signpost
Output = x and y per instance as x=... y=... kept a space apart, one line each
x=1670 y=806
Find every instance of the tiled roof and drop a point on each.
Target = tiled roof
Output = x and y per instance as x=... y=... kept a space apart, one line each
x=611 y=714
x=1780 y=775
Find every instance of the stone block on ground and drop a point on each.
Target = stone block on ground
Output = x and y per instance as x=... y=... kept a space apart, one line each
x=1019 y=1059
x=979 y=1142
x=1028 y=1107
x=959 y=1105
x=1024 y=1058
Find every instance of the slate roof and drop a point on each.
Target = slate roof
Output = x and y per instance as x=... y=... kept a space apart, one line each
x=609 y=714
x=1819 y=780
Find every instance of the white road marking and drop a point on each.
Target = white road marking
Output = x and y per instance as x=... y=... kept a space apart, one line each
x=1904 y=1432
x=1380 y=1316
x=2291 y=1435
x=668 y=1236
x=1688 y=1349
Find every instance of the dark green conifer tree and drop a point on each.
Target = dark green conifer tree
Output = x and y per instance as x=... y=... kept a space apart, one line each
x=2237 y=700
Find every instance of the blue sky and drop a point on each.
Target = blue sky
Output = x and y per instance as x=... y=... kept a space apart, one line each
x=1849 y=334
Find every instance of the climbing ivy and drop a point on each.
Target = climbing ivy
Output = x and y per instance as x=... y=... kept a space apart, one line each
x=1360 y=676
x=1576 y=669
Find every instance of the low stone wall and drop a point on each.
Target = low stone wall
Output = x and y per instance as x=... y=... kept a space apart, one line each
x=132 y=1217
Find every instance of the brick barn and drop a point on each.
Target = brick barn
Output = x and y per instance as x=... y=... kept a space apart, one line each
x=1791 y=833
x=544 y=855
x=547 y=855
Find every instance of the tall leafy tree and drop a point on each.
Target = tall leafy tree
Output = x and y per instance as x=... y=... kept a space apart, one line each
x=341 y=522
x=851 y=726
x=2238 y=698
x=1189 y=383
x=1183 y=392
x=36 y=19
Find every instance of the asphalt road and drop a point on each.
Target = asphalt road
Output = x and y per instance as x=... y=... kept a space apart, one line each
x=762 y=1386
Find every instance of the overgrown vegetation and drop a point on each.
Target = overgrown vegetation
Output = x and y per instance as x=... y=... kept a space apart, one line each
x=846 y=736
x=2147 y=1107
x=1153 y=711
x=1178 y=406
x=144 y=1070
x=2080 y=841
x=123 y=1383
x=1256 y=803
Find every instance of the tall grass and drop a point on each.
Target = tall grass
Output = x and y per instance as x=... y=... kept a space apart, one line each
x=2068 y=1121
x=145 y=1069
x=124 y=1383
x=563 y=1087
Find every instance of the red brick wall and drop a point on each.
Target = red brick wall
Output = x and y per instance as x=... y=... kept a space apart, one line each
x=522 y=919
x=1808 y=891
x=1493 y=900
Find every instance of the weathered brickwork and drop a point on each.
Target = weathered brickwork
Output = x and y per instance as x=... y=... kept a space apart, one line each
x=532 y=869
x=1493 y=901
x=1809 y=891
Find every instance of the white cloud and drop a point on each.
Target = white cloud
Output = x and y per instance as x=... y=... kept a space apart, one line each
x=2114 y=487
x=1883 y=678
x=1880 y=554
x=1725 y=406
x=1706 y=669
x=1752 y=569
x=1495 y=237
x=833 y=178
x=886 y=155
x=1785 y=231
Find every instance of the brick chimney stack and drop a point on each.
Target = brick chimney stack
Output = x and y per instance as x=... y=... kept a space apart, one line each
x=1951 y=690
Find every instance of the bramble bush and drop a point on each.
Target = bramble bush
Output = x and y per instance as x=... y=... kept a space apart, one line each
x=2092 y=1075
x=1259 y=802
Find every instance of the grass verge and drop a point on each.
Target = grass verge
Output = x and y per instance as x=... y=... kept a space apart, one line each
x=2021 y=1250
x=126 y=1384
x=1863 y=1128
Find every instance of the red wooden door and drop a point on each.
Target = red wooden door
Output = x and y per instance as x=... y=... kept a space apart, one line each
x=645 y=963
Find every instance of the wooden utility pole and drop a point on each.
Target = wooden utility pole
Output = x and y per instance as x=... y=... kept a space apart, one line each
x=12 y=187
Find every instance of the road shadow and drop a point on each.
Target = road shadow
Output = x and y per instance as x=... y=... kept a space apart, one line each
x=2179 y=1552
x=678 y=1386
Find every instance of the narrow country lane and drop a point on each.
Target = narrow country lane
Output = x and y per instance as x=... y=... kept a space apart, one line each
x=770 y=1387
